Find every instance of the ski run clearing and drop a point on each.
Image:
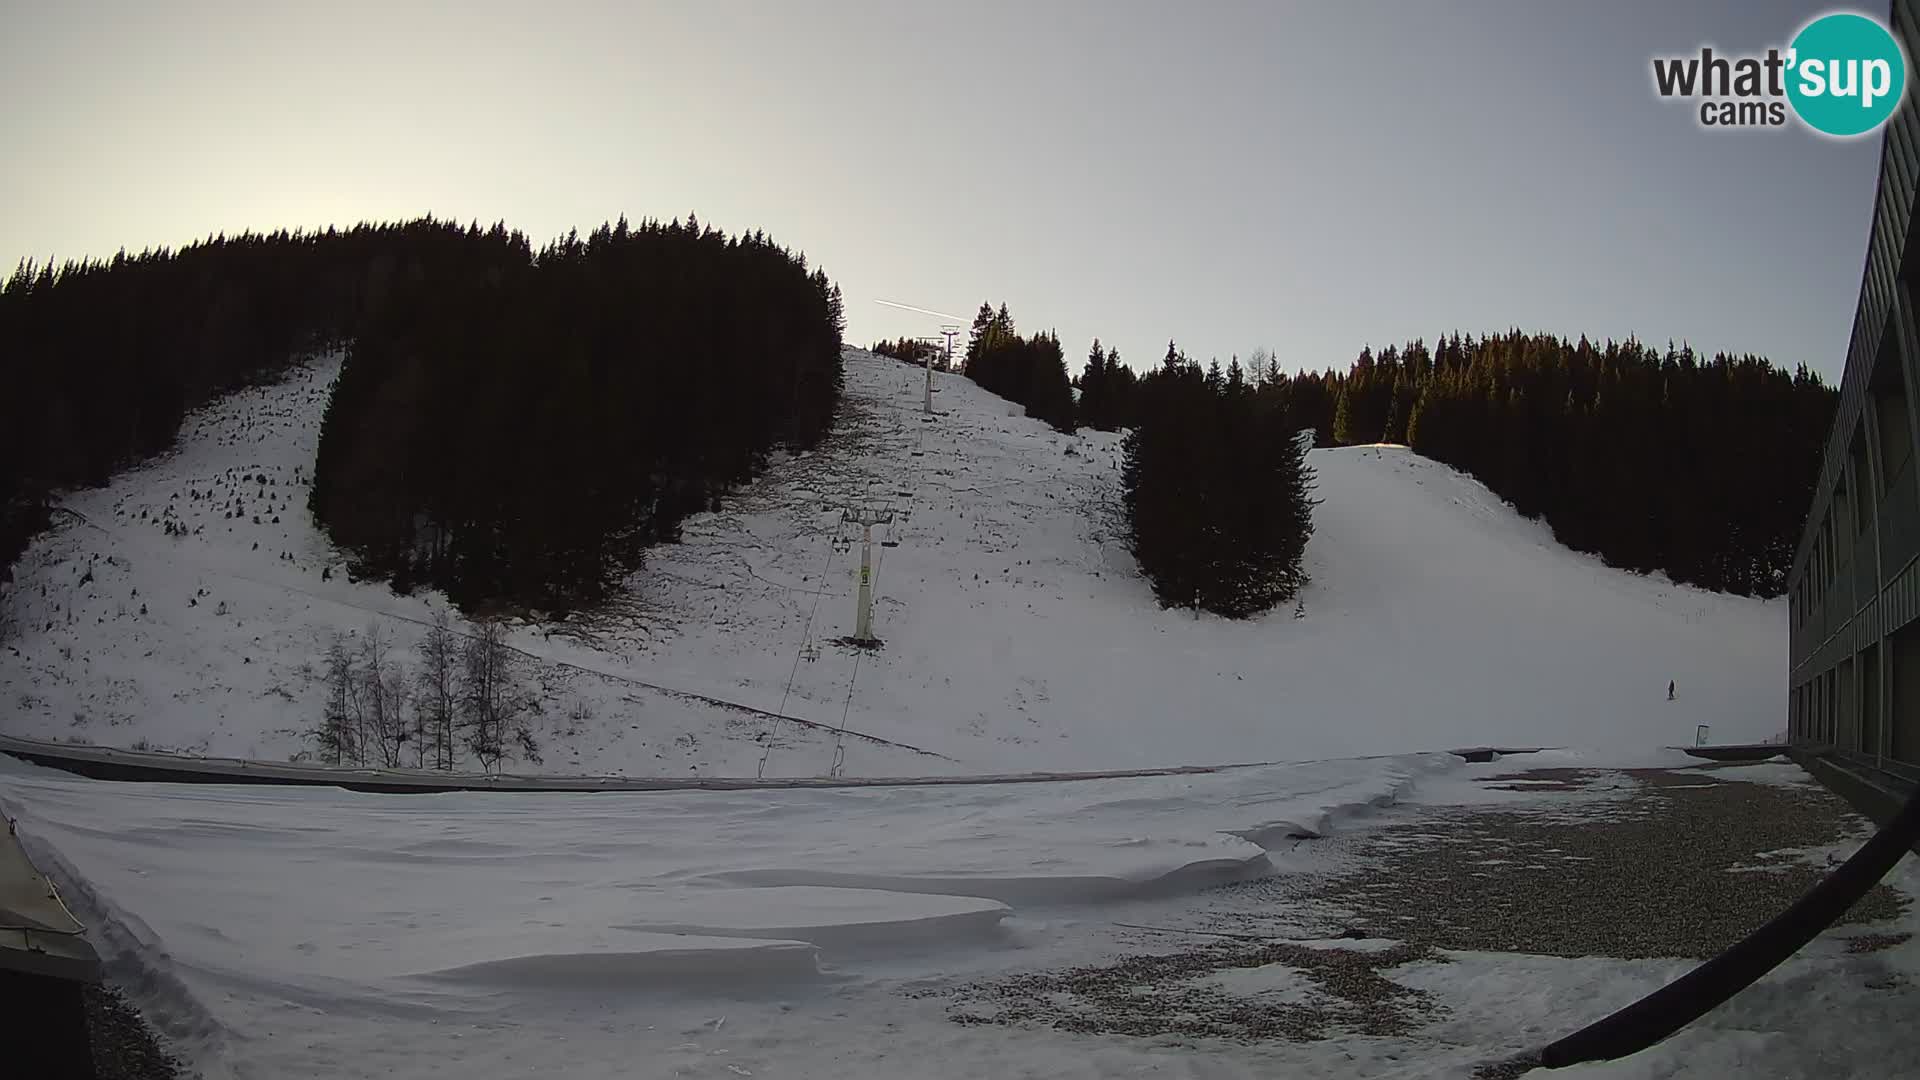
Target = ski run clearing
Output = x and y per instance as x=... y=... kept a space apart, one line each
x=1018 y=635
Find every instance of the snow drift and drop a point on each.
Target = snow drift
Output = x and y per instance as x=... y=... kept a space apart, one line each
x=259 y=923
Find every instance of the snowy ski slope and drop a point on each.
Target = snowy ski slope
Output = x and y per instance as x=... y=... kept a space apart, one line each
x=1017 y=632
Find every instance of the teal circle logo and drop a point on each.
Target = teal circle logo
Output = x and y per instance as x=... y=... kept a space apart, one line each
x=1845 y=74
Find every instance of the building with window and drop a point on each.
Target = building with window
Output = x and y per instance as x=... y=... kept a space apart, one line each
x=1854 y=592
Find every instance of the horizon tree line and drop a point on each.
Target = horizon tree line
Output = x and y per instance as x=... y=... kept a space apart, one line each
x=1653 y=459
x=1030 y=371
x=914 y=351
x=512 y=426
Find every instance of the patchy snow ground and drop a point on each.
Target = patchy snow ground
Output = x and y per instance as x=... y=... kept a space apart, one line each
x=295 y=932
x=311 y=931
x=1018 y=632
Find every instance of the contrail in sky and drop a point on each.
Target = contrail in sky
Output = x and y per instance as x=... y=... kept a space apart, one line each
x=921 y=310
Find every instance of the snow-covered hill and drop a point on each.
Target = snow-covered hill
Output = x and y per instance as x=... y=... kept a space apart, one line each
x=186 y=606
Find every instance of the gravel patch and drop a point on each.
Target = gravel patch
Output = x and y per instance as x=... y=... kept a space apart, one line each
x=1690 y=862
x=1169 y=995
x=124 y=1048
x=1506 y=1070
x=1866 y=943
x=1693 y=862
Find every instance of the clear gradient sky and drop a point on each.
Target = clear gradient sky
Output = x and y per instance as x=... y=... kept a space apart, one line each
x=1303 y=176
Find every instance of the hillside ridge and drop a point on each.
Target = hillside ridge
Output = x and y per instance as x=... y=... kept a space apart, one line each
x=1017 y=633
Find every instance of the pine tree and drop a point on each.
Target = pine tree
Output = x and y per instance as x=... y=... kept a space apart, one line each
x=1395 y=430
x=1050 y=394
x=1343 y=419
x=1413 y=422
x=1217 y=494
x=1028 y=371
x=1095 y=407
x=1122 y=387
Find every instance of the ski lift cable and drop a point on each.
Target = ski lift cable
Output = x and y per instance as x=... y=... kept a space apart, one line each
x=891 y=507
x=840 y=734
x=806 y=635
x=846 y=708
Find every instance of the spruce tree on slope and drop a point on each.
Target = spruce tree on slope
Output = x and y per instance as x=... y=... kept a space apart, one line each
x=1216 y=489
x=1095 y=408
x=1121 y=386
x=1049 y=393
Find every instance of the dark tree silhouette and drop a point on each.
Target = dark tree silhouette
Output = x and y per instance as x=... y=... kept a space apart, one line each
x=522 y=437
x=1028 y=371
x=1653 y=459
x=1217 y=491
x=513 y=428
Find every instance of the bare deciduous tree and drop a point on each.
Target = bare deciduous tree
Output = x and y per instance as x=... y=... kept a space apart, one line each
x=396 y=733
x=384 y=715
x=419 y=732
x=490 y=696
x=1259 y=363
x=338 y=733
x=465 y=694
x=437 y=698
